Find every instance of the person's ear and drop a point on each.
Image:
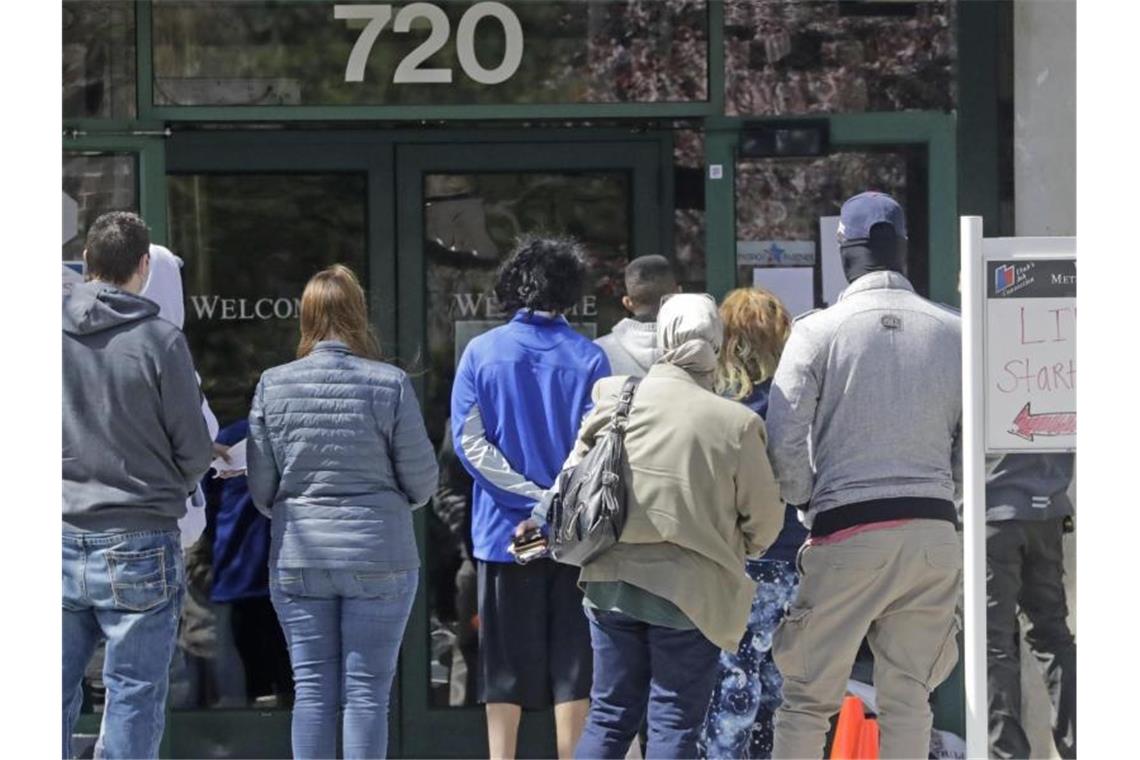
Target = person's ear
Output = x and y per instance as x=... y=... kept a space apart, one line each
x=144 y=270
x=627 y=303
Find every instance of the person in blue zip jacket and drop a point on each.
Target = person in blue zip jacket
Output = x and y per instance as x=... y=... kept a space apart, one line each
x=521 y=391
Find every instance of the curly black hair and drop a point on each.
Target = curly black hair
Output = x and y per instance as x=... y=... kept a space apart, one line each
x=543 y=273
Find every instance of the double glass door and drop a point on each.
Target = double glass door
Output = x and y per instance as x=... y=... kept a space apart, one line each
x=425 y=226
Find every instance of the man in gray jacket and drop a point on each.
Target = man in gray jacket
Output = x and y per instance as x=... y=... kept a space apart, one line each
x=631 y=345
x=863 y=421
x=134 y=446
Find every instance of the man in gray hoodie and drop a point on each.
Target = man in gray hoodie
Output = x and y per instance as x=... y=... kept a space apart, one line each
x=134 y=445
x=631 y=346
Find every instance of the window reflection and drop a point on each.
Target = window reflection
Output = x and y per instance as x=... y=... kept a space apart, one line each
x=251 y=52
x=94 y=184
x=99 y=59
x=816 y=56
x=470 y=224
x=780 y=202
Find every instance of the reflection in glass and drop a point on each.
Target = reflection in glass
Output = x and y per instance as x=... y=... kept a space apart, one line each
x=689 y=209
x=782 y=200
x=99 y=59
x=93 y=185
x=250 y=242
x=470 y=224
x=817 y=56
x=252 y=52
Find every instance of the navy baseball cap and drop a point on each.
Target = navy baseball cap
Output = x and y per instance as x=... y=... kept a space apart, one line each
x=863 y=211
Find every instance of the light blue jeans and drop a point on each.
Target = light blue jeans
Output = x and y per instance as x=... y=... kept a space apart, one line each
x=343 y=628
x=126 y=588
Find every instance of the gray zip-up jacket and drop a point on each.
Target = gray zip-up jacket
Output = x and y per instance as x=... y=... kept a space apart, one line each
x=134 y=440
x=867 y=400
x=339 y=457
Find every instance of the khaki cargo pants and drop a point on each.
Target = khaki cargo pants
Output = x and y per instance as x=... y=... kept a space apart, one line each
x=896 y=586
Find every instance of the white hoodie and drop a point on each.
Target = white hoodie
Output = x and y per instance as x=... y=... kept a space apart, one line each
x=164 y=287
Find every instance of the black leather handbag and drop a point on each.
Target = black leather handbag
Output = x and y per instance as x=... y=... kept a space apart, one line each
x=588 y=512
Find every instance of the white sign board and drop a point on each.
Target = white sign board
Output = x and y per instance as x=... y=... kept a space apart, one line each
x=795 y=286
x=1030 y=348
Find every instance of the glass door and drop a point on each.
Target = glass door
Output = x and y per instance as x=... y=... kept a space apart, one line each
x=253 y=218
x=461 y=208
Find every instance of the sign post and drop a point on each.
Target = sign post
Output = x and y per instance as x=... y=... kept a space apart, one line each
x=1018 y=394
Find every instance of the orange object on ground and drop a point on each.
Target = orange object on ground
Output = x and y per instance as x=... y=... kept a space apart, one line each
x=849 y=729
x=869 y=740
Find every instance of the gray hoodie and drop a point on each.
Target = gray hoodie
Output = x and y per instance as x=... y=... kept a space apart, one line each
x=631 y=347
x=134 y=441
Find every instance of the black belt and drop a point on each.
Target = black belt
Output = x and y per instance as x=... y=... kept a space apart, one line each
x=882 y=510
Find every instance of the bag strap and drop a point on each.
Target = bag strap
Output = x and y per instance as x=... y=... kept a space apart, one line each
x=621 y=412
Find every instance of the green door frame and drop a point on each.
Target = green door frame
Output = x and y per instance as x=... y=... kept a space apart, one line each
x=934 y=131
x=151 y=175
x=453 y=731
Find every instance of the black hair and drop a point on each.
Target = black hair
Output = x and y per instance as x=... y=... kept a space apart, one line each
x=116 y=243
x=648 y=279
x=542 y=274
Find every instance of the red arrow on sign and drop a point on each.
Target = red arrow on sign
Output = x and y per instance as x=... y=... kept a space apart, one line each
x=1026 y=424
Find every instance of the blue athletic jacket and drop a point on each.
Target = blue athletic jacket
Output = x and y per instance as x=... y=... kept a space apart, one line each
x=520 y=393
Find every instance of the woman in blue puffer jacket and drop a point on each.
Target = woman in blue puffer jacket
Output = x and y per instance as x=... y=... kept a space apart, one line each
x=338 y=458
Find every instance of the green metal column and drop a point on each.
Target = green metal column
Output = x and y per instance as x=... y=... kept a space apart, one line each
x=720 y=211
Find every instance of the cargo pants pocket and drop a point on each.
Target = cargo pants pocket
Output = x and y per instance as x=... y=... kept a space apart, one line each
x=788 y=650
x=945 y=660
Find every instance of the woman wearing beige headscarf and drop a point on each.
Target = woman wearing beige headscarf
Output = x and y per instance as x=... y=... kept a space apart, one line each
x=672 y=593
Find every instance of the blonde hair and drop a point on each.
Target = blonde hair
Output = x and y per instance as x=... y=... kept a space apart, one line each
x=333 y=304
x=756 y=327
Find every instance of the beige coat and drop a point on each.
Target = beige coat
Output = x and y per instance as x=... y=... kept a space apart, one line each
x=701 y=497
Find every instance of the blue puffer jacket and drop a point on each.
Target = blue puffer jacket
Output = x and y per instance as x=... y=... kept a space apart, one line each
x=339 y=457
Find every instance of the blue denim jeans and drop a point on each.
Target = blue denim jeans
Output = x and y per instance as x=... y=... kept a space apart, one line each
x=126 y=588
x=640 y=668
x=747 y=693
x=343 y=628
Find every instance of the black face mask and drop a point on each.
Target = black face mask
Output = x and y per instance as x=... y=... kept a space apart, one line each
x=883 y=251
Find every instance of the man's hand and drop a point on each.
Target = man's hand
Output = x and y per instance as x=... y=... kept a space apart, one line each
x=222 y=451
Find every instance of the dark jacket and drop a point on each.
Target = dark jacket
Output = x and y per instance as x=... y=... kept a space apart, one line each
x=1029 y=487
x=240 y=533
x=794 y=534
x=339 y=456
x=134 y=440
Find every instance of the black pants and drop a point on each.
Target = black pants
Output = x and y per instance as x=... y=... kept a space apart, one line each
x=1024 y=570
x=261 y=645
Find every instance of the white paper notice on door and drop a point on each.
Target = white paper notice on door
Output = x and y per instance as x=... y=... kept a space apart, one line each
x=834 y=281
x=795 y=286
